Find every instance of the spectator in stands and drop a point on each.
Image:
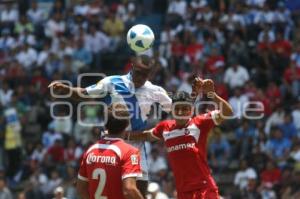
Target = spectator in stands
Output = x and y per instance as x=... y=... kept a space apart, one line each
x=245 y=175
x=293 y=189
x=219 y=151
x=23 y=25
x=271 y=175
x=81 y=8
x=35 y=14
x=73 y=153
x=251 y=190
x=288 y=127
x=55 y=154
x=296 y=117
x=238 y=103
x=96 y=42
x=295 y=155
x=5 y=193
x=245 y=137
x=82 y=57
x=54 y=181
x=27 y=56
x=154 y=192
x=295 y=57
x=39 y=153
x=157 y=165
x=276 y=118
x=55 y=26
x=278 y=147
x=7 y=41
x=9 y=16
x=5 y=94
x=59 y=193
x=236 y=75
x=114 y=28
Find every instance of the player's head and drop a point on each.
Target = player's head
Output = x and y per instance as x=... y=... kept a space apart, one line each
x=182 y=106
x=142 y=68
x=117 y=119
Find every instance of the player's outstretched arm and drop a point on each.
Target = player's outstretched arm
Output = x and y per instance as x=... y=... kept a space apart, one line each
x=62 y=89
x=141 y=136
x=130 y=190
x=82 y=189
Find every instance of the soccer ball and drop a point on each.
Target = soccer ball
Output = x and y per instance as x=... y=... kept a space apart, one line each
x=140 y=38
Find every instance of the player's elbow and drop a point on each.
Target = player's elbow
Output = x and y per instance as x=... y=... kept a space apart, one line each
x=129 y=191
x=229 y=111
x=82 y=189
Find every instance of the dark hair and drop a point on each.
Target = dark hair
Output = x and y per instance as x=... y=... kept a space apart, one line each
x=145 y=59
x=181 y=96
x=117 y=118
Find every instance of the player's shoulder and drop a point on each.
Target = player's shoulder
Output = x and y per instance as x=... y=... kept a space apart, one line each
x=166 y=124
x=154 y=87
x=201 y=117
x=125 y=147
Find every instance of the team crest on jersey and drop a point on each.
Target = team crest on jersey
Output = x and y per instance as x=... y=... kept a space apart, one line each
x=134 y=159
x=186 y=132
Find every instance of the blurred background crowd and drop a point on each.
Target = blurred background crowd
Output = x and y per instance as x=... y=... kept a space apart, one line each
x=250 y=48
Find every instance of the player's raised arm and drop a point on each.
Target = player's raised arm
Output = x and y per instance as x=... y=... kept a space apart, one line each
x=208 y=89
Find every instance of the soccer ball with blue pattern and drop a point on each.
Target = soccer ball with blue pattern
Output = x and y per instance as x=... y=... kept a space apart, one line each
x=140 y=38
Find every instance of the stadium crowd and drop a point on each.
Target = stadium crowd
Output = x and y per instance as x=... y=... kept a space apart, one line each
x=250 y=48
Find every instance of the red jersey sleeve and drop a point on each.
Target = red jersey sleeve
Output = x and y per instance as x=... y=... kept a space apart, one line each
x=131 y=164
x=82 y=174
x=158 y=130
x=207 y=121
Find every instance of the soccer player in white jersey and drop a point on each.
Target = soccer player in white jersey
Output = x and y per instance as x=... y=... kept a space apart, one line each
x=135 y=91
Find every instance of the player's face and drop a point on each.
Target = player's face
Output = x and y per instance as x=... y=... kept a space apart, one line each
x=183 y=111
x=141 y=72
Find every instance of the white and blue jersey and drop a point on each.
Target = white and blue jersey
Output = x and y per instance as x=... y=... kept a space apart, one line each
x=139 y=101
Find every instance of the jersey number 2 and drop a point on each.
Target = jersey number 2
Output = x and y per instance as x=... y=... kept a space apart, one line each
x=100 y=174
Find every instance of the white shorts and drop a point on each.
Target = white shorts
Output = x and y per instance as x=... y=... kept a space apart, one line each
x=144 y=159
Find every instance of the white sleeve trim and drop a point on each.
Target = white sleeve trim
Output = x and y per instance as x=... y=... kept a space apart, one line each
x=82 y=178
x=214 y=115
x=130 y=175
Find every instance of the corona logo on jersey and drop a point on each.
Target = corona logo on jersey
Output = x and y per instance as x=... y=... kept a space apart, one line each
x=92 y=158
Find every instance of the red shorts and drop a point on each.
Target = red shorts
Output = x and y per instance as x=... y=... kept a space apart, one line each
x=209 y=193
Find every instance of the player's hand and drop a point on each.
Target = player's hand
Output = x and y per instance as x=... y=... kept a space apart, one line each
x=208 y=87
x=58 y=87
x=197 y=86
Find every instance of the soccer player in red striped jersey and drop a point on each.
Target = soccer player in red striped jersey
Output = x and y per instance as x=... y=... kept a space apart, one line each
x=186 y=140
x=109 y=168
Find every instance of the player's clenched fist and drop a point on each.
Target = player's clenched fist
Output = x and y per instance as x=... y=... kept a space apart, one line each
x=208 y=86
x=196 y=86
